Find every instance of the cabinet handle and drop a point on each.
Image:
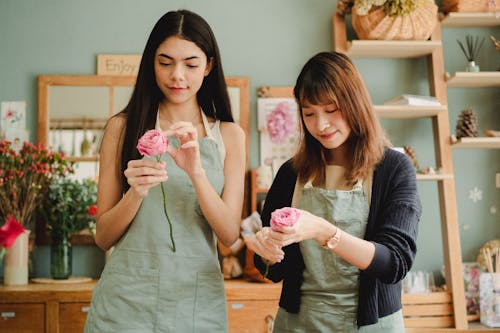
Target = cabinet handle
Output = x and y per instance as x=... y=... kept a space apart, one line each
x=85 y=309
x=237 y=306
x=269 y=323
x=9 y=314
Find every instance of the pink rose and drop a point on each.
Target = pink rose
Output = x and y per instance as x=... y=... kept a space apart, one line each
x=152 y=143
x=284 y=217
x=9 y=232
x=280 y=124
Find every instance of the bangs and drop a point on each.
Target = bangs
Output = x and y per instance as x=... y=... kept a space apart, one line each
x=316 y=89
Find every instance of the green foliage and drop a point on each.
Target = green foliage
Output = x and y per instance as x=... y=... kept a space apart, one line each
x=67 y=204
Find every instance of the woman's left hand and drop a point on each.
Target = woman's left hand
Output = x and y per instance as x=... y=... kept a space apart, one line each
x=187 y=156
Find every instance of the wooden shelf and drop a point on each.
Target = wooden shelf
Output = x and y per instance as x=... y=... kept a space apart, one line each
x=460 y=20
x=407 y=111
x=469 y=79
x=434 y=177
x=480 y=142
x=391 y=48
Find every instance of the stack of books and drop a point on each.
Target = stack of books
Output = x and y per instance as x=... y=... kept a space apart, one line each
x=417 y=100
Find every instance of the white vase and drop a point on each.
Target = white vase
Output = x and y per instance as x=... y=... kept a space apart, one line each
x=15 y=264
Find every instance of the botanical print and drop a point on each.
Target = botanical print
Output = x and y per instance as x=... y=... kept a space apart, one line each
x=13 y=115
x=277 y=121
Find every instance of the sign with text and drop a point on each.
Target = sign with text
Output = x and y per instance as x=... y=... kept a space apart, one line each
x=118 y=64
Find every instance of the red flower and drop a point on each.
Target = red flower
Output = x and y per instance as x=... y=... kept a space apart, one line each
x=9 y=232
x=92 y=211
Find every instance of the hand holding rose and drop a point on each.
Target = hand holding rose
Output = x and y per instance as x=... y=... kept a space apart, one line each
x=153 y=144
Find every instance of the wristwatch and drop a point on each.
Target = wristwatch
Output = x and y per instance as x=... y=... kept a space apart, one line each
x=332 y=243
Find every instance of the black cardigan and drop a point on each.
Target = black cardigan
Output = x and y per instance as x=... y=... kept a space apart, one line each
x=392 y=227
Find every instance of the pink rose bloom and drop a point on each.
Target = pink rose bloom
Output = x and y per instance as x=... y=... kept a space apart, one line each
x=9 y=232
x=152 y=143
x=280 y=124
x=284 y=217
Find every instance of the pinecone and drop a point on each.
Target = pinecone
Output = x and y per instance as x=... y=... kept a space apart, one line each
x=467 y=124
x=344 y=7
x=410 y=152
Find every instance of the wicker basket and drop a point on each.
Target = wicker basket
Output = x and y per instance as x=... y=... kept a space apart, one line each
x=418 y=25
x=469 y=6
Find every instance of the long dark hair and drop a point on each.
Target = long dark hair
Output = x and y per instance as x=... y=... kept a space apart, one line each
x=142 y=108
x=331 y=77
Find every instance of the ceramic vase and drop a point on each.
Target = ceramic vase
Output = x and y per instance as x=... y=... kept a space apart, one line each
x=16 y=261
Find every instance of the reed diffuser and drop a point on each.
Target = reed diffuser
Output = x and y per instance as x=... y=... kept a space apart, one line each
x=471 y=51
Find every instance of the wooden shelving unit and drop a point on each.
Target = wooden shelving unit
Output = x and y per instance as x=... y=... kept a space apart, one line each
x=435 y=177
x=473 y=80
x=435 y=310
x=459 y=20
x=483 y=142
x=390 y=49
x=407 y=111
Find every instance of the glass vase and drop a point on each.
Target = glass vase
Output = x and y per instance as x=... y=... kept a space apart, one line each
x=472 y=67
x=60 y=257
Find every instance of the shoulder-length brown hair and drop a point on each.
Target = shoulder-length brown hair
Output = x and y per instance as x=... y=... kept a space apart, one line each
x=331 y=77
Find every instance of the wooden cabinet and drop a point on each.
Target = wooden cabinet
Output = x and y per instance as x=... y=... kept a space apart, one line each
x=62 y=308
x=28 y=317
x=252 y=307
x=50 y=308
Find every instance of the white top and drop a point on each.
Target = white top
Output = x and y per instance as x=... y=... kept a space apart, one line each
x=212 y=133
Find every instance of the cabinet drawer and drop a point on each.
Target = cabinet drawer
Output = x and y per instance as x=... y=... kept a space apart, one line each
x=22 y=318
x=72 y=316
x=251 y=316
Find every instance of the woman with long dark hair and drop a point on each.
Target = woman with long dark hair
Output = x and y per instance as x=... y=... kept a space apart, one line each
x=149 y=284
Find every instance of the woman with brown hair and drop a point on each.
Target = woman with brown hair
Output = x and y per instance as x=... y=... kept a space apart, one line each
x=343 y=261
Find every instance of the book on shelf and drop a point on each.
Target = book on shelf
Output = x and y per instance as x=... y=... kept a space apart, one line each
x=417 y=100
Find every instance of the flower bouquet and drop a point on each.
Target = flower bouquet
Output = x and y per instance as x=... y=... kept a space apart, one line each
x=25 y=176
x=69 y=207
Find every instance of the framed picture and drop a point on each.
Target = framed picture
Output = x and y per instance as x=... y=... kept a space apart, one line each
x=12 y=115
x=278 y=126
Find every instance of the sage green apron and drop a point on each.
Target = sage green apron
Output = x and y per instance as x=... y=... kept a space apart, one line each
x=145 y=286
x=329 y=293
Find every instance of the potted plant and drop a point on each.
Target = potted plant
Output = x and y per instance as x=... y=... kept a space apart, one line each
x=69 y=208
x=391 y=19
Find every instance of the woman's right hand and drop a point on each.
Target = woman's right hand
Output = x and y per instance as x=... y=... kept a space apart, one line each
x=264 y=244
x=144 y=174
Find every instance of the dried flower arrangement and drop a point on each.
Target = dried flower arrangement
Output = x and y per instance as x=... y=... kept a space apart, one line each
x=25 y=176
x=391 y=7
x=391 y=19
